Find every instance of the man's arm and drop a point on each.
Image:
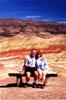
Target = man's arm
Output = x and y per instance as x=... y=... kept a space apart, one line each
x=26 y=61
x=23 y=69
x=25 y=65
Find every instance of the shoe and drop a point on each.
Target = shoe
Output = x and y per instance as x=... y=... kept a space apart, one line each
x=34 y=85
x=41 y=86
x=26 y=85
x=38 y=86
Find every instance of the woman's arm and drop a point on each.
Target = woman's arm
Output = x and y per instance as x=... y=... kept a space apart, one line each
x=44 y=64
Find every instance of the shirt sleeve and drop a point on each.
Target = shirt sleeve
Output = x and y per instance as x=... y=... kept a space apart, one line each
x=45 y=64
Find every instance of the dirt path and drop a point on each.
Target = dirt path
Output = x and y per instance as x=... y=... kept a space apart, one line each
x=54 y=89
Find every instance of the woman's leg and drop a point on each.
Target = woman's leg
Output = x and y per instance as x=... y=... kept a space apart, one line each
x=39 y=78
x=35 y=75
x=39 y=74
x=44 y=72
x=43 y=76
x=35 y=79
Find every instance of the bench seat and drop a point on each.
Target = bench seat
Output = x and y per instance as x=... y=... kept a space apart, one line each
x=19 y=75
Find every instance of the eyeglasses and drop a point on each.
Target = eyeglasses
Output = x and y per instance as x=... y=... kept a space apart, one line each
x=33 y=52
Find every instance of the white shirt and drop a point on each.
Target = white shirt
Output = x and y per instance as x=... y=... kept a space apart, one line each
x=29 y=61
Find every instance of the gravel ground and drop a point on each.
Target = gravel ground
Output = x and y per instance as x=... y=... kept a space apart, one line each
x=55 y=89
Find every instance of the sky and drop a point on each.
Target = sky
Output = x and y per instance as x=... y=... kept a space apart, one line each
x=37 y=10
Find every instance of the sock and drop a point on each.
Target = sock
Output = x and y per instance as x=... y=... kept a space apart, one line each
x=34 y=81
x=39 y=82
x=28 y=82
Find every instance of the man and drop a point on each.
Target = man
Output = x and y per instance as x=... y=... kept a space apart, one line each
x=30 y=68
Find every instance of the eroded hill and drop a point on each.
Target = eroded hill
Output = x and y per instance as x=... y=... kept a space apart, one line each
x=18 y=37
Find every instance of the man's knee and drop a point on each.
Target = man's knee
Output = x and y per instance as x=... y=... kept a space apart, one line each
x=27 y=74
x=36 y=73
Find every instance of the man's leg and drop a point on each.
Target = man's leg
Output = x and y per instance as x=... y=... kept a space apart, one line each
x=27 y=79
x=35 y=78
x=35 y=75
x=28 y=76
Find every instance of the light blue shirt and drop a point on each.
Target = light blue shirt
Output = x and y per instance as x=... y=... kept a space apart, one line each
x=41 y=63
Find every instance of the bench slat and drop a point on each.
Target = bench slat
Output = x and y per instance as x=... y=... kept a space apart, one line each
x=20 y=75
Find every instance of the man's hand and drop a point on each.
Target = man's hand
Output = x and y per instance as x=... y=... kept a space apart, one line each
x=23 y=70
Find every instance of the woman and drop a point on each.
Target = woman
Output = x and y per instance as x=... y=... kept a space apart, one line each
x=42 y=69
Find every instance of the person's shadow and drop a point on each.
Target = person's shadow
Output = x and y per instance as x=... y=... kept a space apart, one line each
x=15 y=85
x=9 y=85
x=12 y=85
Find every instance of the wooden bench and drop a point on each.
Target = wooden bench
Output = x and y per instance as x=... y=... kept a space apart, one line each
x=19 y=76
